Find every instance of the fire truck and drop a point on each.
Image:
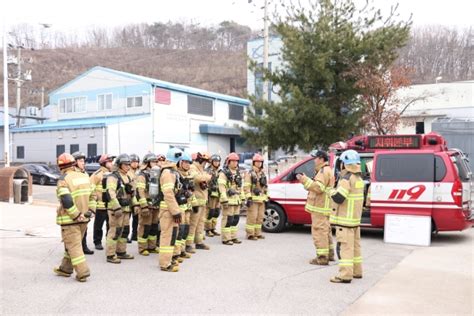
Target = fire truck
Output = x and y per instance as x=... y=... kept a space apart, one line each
x=404 y=174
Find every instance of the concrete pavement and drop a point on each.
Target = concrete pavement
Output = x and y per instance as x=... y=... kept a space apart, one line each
x=268 y=276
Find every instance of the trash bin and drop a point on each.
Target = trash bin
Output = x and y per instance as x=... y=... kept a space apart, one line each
x=15 y=185
x=20 y=191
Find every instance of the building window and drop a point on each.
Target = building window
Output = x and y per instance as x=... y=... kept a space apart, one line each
x=420 y=127
x=91 y=150
x=73 y=148
x=259 y=83
x=134 y=102
x=60 y=149
x=20 y=152
x=236 y=112
x=72 y=105
x=104 y=101
x=200 y=106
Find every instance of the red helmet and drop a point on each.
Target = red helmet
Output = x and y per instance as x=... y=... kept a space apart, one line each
x=257 y=157
x=232 y=156
x=105 y=158
x=66 y=160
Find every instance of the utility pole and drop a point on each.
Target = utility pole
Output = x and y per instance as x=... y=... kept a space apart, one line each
x=265 y=67
x=6 y=116
x=42 y=103
x=18 y=86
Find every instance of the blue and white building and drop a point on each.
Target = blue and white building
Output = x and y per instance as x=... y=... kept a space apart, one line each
x=109 y=111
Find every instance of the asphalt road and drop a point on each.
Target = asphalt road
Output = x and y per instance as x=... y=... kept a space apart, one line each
x=265 y=276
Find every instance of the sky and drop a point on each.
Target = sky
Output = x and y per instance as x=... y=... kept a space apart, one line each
x=76 y=16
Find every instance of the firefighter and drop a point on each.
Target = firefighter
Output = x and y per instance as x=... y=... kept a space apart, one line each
x=134 y=170
x=98 y=183
x=230 y=183
x=77 y=205
x=147 y=193
x=119 y=195
x=349 y=197
x=201 y=179
x=213 y=206
x=255 y=187
x=187 y=181
x=170 y=213
x=81 y=167
x=318 y=204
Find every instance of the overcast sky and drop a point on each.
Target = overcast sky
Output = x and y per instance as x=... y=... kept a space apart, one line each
x=71 y=16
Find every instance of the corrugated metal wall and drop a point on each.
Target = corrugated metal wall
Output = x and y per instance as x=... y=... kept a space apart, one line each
x=458 y=134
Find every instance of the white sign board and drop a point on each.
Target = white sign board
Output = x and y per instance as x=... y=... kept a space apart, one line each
x=407 y=229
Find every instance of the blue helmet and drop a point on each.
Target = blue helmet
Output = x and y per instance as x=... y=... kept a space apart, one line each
x=186 y=157
x=174 y=154
x=350 y=157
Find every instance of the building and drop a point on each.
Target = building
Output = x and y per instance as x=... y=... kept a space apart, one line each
x=109 y=111
x=424 y=104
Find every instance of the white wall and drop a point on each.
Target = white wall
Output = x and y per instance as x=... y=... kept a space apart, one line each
x=40 y=146
x=129 y=137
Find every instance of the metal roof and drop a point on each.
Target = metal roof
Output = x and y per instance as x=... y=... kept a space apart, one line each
x=163 y=84
x=77 y=123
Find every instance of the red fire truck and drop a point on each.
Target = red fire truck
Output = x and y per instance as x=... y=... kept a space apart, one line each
x=405 y=174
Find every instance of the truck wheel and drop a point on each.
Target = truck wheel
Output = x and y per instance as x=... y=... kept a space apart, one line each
x=274 y=219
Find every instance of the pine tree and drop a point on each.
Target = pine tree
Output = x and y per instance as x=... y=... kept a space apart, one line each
x=319 y=95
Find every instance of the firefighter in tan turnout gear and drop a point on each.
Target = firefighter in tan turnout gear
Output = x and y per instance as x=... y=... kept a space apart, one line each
x=170 y=213
x=77 y=205
x=255 y=187
x=181 y=250
x=80 y=157
x=99 y=185
x=147 y=194
x=318 y=204
x=230 y=184
x=213 y=205
x=119 y=192
x=349 y=197
x=133 y=173
x=201 y=180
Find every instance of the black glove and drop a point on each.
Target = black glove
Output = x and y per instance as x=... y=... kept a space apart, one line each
x=249 y=202
x=177 y=218
x=231 y=192
x=256 y=191
x=203 y=185
x=88 y=214
x=195 y=209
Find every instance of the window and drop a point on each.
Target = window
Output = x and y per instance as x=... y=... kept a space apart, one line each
x=20 y=152
x=462 y=167
x=259 y=83
x=307 y=168
x=60 y=149
x=134 y=102
x=71 y=105
x=236 y=112
x=440 y=169
x=405 y=168
x=420 y=127
x=104 y=101
x=91 y=150
x=73 y=148
x=200 y=106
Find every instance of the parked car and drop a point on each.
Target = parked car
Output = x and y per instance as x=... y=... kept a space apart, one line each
x=91 y=167
x=42 y=174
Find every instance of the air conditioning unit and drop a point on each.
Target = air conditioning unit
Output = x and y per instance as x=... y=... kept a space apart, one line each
x=32 y=111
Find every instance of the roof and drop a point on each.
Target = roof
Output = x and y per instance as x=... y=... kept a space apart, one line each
x=165 y=85
x=77 y=123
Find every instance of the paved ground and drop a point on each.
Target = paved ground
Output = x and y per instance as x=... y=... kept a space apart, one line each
x=43 y=194
x=270 y=276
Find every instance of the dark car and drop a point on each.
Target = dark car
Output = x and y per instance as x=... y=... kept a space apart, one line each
x=42 y=174
x=91 y=167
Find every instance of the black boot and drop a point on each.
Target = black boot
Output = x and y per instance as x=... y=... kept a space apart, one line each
x=87 y=251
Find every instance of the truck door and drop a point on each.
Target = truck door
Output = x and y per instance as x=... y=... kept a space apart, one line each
x=402 y=183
